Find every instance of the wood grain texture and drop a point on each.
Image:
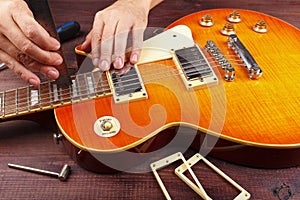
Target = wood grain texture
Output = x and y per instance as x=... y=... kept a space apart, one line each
x=249 y=114
x=27 y=143
x=240 y=110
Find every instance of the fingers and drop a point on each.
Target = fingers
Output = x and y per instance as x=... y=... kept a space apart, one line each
x=109 y=44
x=35 y=32
x=20 y=70
x=111 y=29
x=28 y=47
x=23 y=65
x=27 y=35
x=96 y=40
x=86 y=45
x=106 y=46
x=120 y=45
x=137 y=44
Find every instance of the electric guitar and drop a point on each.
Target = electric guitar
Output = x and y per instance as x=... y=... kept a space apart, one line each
x=222 y=82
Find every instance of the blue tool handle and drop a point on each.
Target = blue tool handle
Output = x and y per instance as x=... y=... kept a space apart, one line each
x=68 y=30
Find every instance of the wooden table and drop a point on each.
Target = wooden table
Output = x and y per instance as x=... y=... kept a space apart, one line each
x=27 y=143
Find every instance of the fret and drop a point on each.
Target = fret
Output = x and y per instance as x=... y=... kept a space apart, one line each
x=75 y=90
x=9 y=102
x=34 y=98
x=91 y=84
x=50 y=94
x=40 y=97
x=61 y=96
x=94 y=84
x=2 y=97
x=78 y=88
x=22 y=100
x=83 y=86
x=16 y=101
x=85 y=79
x=55 y=93
x=45 y=99
x=64 y=95
x=101 y=83
x=71 y=91
x=28 y=98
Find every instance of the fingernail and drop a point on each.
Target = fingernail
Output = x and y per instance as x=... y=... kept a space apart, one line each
x=33 y=81
x=96 y=61
x=134 y=58
x=118 y=63
x=58 y=62
x=84 y=44
x=57 y=46
x=52 y=74
x=104 y=66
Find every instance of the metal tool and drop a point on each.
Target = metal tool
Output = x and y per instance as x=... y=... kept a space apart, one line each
x=62 y=175
x=2 y=66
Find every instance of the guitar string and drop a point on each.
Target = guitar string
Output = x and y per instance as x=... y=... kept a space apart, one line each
x=64 y=92
x=210 y=58
x=105 y=82
x=85 y=91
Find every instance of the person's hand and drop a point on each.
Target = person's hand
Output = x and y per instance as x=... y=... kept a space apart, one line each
x=111 y=29
x=25 y=46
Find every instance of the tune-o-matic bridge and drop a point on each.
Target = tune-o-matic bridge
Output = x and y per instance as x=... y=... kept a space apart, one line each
x=194 y=67
x=216 y=53
x=254 y=70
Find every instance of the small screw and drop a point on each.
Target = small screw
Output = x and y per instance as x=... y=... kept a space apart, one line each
x=62 y=175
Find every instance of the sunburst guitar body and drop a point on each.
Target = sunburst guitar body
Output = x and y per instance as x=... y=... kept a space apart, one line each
x=181 y=94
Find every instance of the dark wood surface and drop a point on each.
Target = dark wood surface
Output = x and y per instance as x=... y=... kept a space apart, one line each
x=30 y=144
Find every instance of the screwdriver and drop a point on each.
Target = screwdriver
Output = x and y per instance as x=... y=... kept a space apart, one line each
x=68 y=30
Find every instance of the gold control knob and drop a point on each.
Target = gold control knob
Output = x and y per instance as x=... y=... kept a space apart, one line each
x=106 y=126
x=260 y=27
x=228 y=29
x=234 y=17
x=206 y=21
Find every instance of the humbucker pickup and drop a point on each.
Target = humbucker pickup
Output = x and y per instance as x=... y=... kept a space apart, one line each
x=194 y=67
x=128 y=86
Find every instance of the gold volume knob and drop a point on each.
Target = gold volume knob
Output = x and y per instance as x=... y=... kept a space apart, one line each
x=260 y=26
x=206 y=20
x=234 y=17
x=228 y=29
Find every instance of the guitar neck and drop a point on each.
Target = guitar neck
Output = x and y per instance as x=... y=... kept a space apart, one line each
x=48 y=95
